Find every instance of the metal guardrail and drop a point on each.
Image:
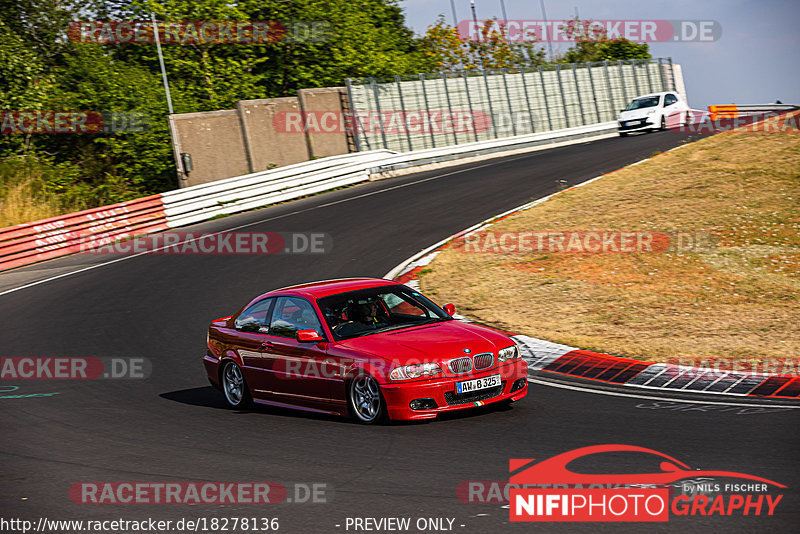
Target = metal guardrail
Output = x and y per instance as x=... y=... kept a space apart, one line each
x=75 y=232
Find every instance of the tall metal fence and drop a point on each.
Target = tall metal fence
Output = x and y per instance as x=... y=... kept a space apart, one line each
x=447 y=108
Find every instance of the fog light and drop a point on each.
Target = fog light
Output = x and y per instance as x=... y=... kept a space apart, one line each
x=423 y=404
x=518 y=384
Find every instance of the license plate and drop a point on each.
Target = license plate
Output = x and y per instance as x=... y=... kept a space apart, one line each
x=477 y=384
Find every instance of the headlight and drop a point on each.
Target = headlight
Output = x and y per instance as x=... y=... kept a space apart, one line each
x=508 y=353
x=408 y=372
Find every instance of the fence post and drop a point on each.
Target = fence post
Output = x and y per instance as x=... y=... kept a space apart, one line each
x=635 y=78
x=594 y=93
x=622 y=84
x=427 y=109
x=544 y=94
x=508 y=99
x=527 y=99
x=672 y=75
x=378 y=109
x=449 y=105
x=469 y=103
x=611 y=106
x=353 y=115
x=489 y=101
x=578 y=92
x=561 y=90
x=661 y=75
x=403 y=107
x=649 y=78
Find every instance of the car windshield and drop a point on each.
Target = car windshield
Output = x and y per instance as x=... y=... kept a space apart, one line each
x=645 y=102
x=378 y=309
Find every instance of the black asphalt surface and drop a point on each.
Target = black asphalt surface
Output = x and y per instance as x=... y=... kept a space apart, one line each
x=173 y=427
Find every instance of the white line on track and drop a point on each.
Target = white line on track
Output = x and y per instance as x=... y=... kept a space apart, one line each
x=654 y=397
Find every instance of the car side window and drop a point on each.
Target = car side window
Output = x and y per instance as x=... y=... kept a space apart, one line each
x=292 y=314
x=670 y=99
x=254 y=318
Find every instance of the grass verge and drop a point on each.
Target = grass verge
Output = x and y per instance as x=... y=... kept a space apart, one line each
x=737 y=297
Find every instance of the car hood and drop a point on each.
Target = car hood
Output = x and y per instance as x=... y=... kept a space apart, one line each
x=635 y=114
x=430 y=343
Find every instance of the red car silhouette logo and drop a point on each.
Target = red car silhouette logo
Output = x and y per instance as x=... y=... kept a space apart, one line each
x=554 y=470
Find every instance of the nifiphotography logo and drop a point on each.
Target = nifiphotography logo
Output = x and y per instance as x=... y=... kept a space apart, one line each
x=549 y=491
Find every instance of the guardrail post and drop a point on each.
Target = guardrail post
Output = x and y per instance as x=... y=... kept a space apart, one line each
x=489 y=101
x=508 y=99
x=427 y=109
x=469 y=103
x=527 y=99
x=544 y=94
x=561 y=90
x=353 y=114
x=378 y=109
x=449 y=104
x=594 y=93
x=403 y=108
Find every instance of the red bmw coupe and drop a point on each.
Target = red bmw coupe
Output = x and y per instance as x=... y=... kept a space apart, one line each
x=366 y=347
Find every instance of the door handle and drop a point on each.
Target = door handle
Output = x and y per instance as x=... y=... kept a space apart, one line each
x=267 y=345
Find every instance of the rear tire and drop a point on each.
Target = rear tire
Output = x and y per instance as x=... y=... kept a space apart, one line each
x=234 y=386
x=365 y=400
x=663 y=123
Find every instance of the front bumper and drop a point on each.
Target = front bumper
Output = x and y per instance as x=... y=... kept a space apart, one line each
x=635 y=125
x=398 y=395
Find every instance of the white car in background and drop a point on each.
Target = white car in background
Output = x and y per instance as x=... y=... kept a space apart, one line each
x=653 y=112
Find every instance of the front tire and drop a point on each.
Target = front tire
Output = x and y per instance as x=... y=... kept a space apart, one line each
x=623 y=134
x=365 y=400
x=234 y=386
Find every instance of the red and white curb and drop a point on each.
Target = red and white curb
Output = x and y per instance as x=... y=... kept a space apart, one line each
x=550 y=357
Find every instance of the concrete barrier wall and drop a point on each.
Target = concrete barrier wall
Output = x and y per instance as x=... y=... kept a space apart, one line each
x=267 y=146
x=256 y=136
x=216 y=144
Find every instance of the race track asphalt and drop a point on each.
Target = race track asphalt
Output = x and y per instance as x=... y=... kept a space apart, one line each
x=173 y=426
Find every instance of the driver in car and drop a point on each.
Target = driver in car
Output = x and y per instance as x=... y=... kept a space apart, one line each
x=362 y=317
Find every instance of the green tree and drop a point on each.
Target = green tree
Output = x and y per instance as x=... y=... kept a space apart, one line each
x=592 y=44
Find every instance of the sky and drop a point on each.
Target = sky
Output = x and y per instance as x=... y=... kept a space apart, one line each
x=755 y=60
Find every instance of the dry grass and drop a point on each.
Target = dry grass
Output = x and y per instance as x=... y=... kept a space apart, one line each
x=738 y=298
x=24 y=196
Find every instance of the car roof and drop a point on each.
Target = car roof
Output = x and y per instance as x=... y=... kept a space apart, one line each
x=655 y=94
x=324 y=288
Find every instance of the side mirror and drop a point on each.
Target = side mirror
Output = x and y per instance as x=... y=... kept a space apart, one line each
x=450 y=309
x=622 y=111
x=307 y=336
